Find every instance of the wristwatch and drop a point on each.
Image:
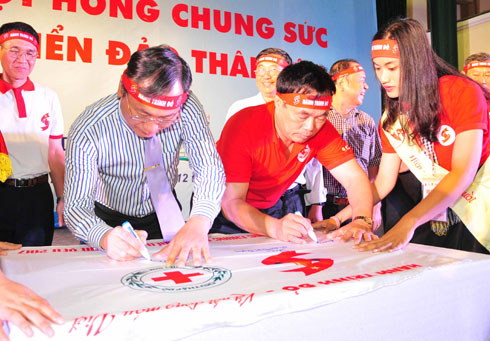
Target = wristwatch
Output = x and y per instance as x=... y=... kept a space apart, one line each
x=367 y=220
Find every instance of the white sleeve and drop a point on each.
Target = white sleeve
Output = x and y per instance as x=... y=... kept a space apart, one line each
x=57 y=125
x=232 y=110
x=314 y=182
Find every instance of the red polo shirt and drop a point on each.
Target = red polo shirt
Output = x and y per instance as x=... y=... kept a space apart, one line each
x=252 y=153
x=464 y=108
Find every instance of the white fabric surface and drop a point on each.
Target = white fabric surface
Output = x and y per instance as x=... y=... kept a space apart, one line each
x=86 y=287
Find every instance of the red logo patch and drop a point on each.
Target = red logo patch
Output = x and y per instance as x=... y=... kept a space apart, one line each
x=296 y=100
x=345 y=148
x=310 y=266
x=446 y=135
x=302 y=155
x=45 y=121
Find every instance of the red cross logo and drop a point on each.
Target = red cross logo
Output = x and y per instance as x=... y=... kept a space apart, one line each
x=176 y=276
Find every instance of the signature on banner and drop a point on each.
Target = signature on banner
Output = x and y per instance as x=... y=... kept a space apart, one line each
x=96 y=324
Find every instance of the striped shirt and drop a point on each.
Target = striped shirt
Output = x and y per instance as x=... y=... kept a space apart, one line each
x=359 y=131
x=105 y=161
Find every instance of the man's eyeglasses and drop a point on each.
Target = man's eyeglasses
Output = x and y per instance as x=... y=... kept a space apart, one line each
x=147 y=118
x=15 y=53
x=272 y=72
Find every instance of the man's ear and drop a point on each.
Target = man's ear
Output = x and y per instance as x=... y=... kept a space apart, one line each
x=340 y=84
x=120 y=91
x=278 y=102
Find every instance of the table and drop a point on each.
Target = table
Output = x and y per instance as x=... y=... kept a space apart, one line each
x=263 y=289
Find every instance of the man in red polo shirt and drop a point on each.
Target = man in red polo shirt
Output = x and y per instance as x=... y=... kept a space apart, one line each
x=265 y=148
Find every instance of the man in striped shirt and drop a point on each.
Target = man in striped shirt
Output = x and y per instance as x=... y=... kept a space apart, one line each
x=105 y=180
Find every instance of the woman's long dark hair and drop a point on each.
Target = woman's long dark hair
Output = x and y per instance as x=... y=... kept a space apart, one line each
x=420 y=70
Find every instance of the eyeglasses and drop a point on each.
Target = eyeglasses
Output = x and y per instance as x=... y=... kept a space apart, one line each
x=272 y=72
x=15 y=53
x=147 y=118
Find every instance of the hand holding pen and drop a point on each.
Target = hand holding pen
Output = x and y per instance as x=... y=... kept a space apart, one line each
x=122 y=245
x=144 y=251
x=311 y=231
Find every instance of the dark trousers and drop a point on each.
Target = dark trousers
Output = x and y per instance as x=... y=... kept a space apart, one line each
x=113 y=218
x=291 y=201
x=147 y=223
x=405 y=195
x=27 y=215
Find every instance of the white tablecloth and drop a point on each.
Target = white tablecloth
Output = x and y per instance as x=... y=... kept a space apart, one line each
x=261 y=288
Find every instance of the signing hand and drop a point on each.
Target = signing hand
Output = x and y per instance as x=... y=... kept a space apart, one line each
x=357 y=230
x=121 y=245
x=327 y=225
x=4 y=246
x=290 y=228
x=22 y=307
x=191 y=238
x=395 y=239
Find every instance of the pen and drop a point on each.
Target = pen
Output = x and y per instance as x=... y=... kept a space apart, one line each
x=144 y=251
x=311 y=233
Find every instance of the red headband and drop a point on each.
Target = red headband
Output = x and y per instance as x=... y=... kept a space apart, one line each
x=161 y=102
x=307 y=101
x=475 y=64
x=272 y=59
x=385 y=48
x=353 y=69
x=19 y=35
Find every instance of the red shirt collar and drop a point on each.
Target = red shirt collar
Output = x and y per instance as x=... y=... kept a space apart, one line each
x=4 y=86
x=27 y=86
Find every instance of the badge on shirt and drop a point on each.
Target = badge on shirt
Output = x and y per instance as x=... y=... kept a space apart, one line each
x=346 y=148
x=302 y=155
x=45 y=121
x=446 y=135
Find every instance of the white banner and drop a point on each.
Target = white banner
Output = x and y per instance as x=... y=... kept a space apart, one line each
x=251 y=277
